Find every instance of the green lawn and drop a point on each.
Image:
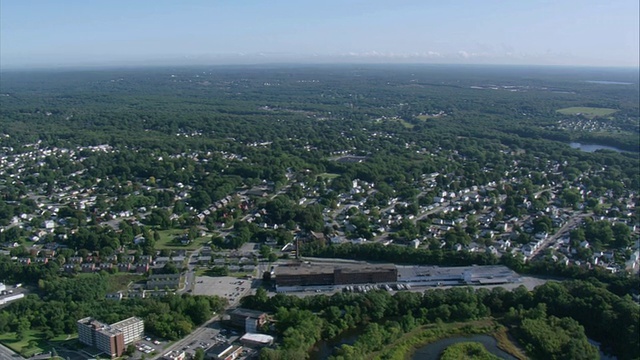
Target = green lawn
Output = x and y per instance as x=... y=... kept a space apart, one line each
x=202 y=271
x=328 y=176
x=589 y=112
x=405 y=123
x=32 y=343
x=167 y=240
x=120 y=281
x=425 y=117
x=61 y=338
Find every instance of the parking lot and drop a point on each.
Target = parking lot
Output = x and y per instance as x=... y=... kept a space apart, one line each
x=208 y=337
x=148 y=345
x=229 y=287
x=528 y=282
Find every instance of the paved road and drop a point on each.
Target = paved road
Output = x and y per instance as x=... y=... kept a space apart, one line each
x=190 y=276
x=194 y=336
x=8 y=354
x=572 y=223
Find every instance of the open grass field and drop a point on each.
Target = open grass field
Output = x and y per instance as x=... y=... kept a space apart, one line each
x=405 y=123
x=120 y=281
x=589 y=112
x=328 y=176
x=34 y=342
x=167 y=240
x=32 y=337
x=426 y=117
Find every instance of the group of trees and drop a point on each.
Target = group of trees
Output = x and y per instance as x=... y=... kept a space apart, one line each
x=398 y=254
x=601 y=234
x=60 y=302
x=467 y=350
x=549 y=337
x=283 y=210
x=552 y=321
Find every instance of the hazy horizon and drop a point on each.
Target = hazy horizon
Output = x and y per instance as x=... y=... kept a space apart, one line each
x=73 y=33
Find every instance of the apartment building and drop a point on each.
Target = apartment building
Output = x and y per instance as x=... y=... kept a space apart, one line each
x=110 y=339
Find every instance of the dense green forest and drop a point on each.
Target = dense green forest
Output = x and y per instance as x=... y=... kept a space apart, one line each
x=552 y=321
x=66 y=300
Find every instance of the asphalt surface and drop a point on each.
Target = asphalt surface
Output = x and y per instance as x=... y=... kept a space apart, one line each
x=204 y=332
x=8 y=354
x=572 y=223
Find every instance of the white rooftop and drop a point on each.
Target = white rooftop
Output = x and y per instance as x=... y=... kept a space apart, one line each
x=259 y=338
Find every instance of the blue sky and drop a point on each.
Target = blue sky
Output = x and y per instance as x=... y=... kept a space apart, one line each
x=554 y=32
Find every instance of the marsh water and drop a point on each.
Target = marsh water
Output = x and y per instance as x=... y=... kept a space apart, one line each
x=323 y=349
x=434 y=350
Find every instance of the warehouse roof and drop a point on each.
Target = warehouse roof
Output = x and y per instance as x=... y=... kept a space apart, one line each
x=308 y=269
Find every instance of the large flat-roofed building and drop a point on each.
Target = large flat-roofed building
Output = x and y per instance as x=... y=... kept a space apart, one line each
x=248 y=320
x=223 y=351
x=101 y=336
x=253 y=339
x=365 y=274
x=111 y=339
x=343 y=274
x=304 y=275
x=132 y=328
x=460 y=275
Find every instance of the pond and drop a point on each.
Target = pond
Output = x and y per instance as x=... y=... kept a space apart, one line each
x=323 y=348
x=593 y=147
x=434 y=350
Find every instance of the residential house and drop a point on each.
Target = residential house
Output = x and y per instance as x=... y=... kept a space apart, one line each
x=88 y=267
x=162 y=281
x=142 y=268
x=204 y=260
x=139 y=239
x=114 y=296
x=124 y=267
x=76 y=260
